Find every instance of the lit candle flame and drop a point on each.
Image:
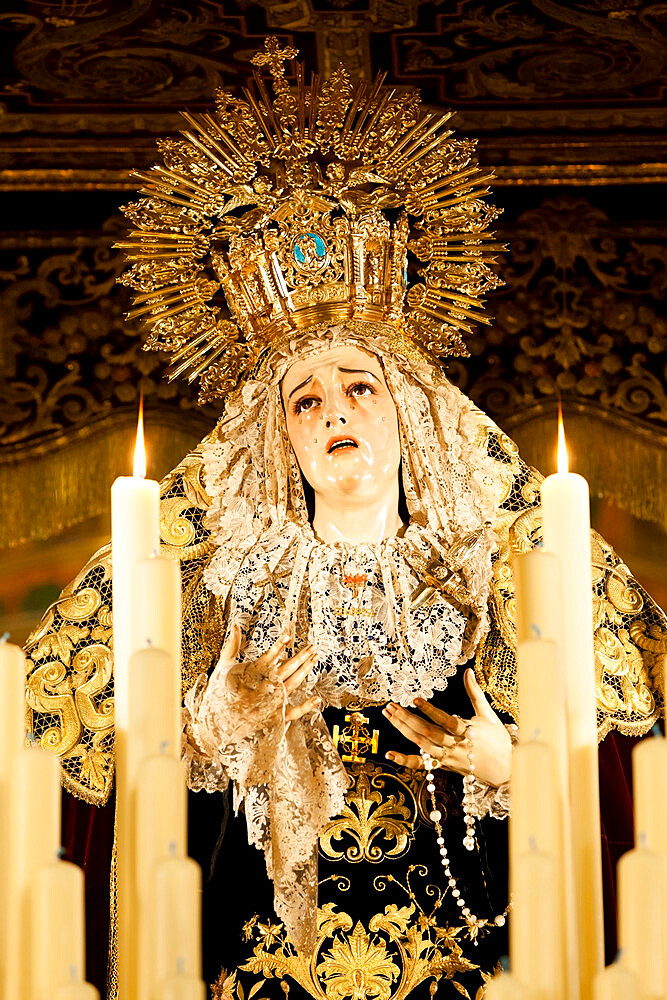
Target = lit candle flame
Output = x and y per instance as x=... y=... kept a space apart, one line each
x=562 y=448
x=139 y=449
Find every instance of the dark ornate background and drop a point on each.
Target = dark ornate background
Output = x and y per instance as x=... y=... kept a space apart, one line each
x=568 y=101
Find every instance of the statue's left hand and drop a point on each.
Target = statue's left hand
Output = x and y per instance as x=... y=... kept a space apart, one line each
x=447 y=738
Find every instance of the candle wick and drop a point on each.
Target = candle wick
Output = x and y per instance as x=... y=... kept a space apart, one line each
x=31 y=738
x=72 y=973
x=4 y=637
x=163 y=746
x=180 y=965
x=536 y=630
x=619 y=956
x=643 y=839
x=655 y=731
x=505 y=963
x=149 y=642
x=60 y=853
x=154 y=553
x=536 y=734
x=172 y=848
x=532 y=843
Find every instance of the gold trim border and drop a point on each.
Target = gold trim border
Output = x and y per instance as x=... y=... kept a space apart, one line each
x=574 y=174
x=632 y=474
x=53 y=484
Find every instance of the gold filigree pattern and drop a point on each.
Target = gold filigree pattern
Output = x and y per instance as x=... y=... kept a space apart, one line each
x=578 y=315
x=280 y=203
x=523 y=54
x=356 y=739
x=399 y=948
x=375 y=824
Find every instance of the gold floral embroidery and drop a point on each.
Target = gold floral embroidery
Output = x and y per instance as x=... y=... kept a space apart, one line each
x=401 y=948
x=358 y=966
x=369 y=815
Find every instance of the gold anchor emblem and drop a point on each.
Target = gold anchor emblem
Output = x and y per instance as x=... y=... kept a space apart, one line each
x=356 y=739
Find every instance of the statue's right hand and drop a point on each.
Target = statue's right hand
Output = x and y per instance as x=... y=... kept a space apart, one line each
x=291 y=672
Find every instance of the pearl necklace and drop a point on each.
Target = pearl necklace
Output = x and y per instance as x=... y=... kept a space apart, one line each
x=473 y=921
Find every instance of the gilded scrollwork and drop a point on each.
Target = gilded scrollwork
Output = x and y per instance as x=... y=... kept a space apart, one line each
x=92 y=669
x=386 y=958
x=520 y=53
x=375 y=823
x=49 y=692
x=68 y=356
x=579 y=316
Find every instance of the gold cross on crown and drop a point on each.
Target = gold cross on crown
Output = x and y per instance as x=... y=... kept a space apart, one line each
x=274 y=56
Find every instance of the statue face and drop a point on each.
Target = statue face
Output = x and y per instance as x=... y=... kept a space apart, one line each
x=342 y=424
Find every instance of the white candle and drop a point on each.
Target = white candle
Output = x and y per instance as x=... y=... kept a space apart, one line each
x=537 y=956
x=161 y=831
x=615 y=983
x=534 y=814
x=505 y=986
x=538 y=612
x=640 y=907
x=161 y=816
x=158 y=618
x=649 y=779
x=177 y=918
x=566 y=527
x=34 y=840
x=181 y=988
x=58 y=922
x=541 y=691
x=535 y=832
x=134 y=537
x=76 y=991
x=12 y=724
x=154 y=711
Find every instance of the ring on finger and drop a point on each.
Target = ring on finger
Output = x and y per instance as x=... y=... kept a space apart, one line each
x=461 y=727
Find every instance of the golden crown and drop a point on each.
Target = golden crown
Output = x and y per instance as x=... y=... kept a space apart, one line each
x=330 y=202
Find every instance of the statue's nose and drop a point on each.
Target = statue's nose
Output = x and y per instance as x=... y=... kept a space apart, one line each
x=332 y=420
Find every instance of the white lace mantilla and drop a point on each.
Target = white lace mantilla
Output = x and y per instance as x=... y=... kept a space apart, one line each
x=353 y=602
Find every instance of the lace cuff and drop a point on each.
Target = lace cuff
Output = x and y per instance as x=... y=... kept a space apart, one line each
x=487 y=800
x=204 y=771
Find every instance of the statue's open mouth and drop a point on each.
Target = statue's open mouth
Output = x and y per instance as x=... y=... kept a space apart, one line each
x=337 y=443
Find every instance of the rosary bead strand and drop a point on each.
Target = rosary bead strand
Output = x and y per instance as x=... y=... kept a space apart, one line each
x=430 y=764
x=468 y=782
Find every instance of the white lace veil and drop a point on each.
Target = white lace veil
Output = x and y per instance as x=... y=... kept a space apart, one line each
x=253 y=480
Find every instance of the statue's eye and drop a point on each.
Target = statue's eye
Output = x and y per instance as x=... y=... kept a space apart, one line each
x=307 y=403
x=361 y=389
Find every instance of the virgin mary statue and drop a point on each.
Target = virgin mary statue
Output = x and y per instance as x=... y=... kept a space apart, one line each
x=345 y=535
